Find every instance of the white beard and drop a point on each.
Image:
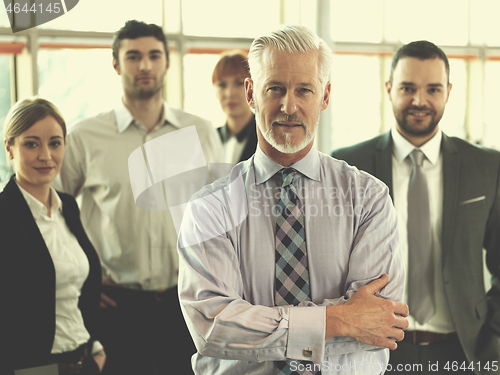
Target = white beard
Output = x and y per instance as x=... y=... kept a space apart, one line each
x=286 y=147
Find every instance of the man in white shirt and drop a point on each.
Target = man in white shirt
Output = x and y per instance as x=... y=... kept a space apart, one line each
x=457 y=325
x=143 y=329
x=312 y=287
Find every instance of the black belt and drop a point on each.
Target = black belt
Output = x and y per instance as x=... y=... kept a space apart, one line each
x=426 y=338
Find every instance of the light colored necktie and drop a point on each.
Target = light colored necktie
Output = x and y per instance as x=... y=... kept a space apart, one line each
x=292 y=275
x=420 y=258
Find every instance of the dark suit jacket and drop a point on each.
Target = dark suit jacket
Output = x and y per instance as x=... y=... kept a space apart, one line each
x=471 y=221
x=27 y=280
x=249 y=132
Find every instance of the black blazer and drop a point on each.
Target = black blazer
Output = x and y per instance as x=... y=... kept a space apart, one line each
x=250 y=132
x=471 y=222
x=27 y=282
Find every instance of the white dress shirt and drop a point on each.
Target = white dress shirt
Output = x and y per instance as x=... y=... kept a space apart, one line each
x=227 y=274
x=72 y=269
x=137 y=247
x=440 y=322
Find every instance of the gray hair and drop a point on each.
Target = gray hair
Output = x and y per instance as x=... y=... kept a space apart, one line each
x=291 y=39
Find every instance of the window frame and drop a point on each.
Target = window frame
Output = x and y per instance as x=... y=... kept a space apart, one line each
x=26 y=44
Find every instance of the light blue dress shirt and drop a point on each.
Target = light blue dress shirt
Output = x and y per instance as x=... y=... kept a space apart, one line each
x=227 y=266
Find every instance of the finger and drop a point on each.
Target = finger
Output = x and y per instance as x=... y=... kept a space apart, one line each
x=392 y=344
x=386 y=342
x=401 y=308
x=107 y=301
x=397 y=334
x=376 y=285
x=401 y=322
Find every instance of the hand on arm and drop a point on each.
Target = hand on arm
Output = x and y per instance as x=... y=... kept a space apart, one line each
x=367 y=318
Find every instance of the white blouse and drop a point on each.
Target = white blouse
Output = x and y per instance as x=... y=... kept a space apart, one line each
x=72 y=269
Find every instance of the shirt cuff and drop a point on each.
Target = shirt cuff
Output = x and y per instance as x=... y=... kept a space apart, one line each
x=306 y=333
x=96 y=346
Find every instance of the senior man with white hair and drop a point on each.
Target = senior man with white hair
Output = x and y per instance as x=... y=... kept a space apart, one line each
x=291 y=264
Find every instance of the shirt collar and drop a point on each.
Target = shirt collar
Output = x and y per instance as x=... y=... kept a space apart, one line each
x=403 y=148
x=265 y=167
x=124 y=118
x=37 y=208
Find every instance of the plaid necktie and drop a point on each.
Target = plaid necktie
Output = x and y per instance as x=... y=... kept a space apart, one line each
x=421 y=266
x=292 y=275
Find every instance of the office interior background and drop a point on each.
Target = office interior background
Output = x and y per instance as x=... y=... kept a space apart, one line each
x=68 y=60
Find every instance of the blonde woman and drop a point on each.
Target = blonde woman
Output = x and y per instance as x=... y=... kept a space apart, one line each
x=50 y=274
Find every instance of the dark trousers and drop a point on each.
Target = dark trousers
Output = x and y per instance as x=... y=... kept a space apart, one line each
x=145 y=334
x=444 y=357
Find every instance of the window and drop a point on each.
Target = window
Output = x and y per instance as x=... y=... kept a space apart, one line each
x=491 y=102
x=4 y=20
x=355 y=100
x=229 y=18
x=443 y=22
x=484 y=26
x=366 y=34
x=199 y=94
x=378 y=28
x=80 y=82
x=5 y=85
x=357 y=20
x=107 y=16
x=5 y=102
x=453 y=122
